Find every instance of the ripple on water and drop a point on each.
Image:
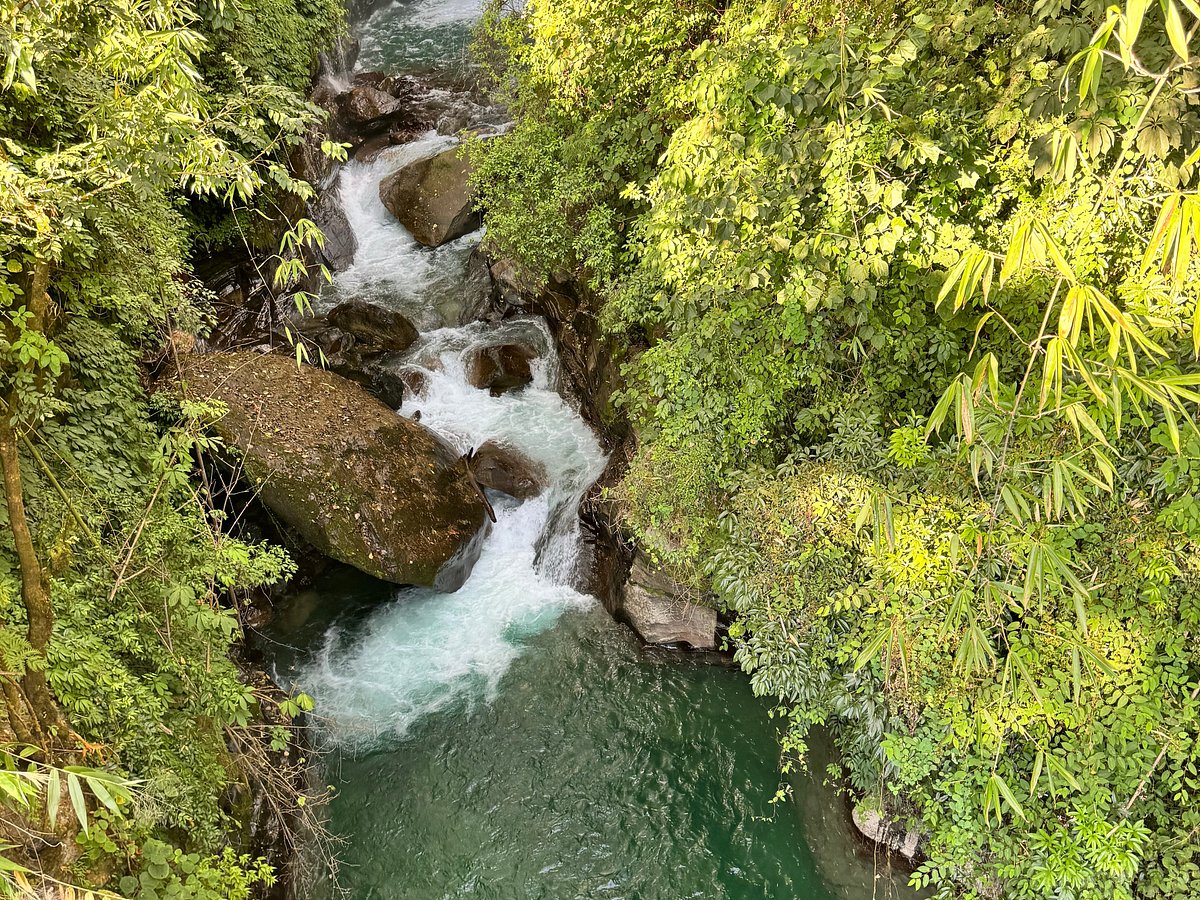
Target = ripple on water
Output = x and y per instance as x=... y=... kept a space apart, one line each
x=417 y=35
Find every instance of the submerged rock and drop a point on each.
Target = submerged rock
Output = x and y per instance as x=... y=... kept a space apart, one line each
x=657 y=608
x=501 y=468
x=875 y=824
x=432 y=199
x=355 y=480
x=501 y=368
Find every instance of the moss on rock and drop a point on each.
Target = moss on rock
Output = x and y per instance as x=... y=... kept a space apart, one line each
x=360 y=483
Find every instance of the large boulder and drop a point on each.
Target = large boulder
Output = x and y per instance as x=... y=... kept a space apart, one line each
x=501 y=367
x=501 y=468
x=432 y=198
x=358 y=482
x=376 y=327
x=658 y=609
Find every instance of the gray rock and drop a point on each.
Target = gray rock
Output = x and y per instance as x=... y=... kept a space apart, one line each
x=366 y=108
x=893 y=833
x=384 y=383
x=477 y=289
x=657 y=608
x=513 y=284
x=431 y=197
x=501 y=368
x=340 y=243
x=374 y=326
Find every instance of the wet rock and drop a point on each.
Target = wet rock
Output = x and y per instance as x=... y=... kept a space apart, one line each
x=372 y=147
x=355 y=480
x=501 y=368
x=658 y=609
x=478 y=289
x=371 y=112
x=374 y=326
x=501 y=468
x=244 y=304
x=366 y=108
x=415 y=381
x=325 y=92
x=308 y=162
x=340 y=245
x=453 y=121
x=513 y=284
x=333 y=342
x=431 y=198
x=386 y=384
x=876 y=824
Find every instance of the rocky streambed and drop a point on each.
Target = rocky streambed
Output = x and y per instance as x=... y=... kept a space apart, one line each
x=488 y=727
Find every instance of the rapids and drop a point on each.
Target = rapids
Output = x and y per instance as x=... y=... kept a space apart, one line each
x=510 y=740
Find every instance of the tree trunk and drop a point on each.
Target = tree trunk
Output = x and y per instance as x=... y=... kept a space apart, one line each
x=35 y=586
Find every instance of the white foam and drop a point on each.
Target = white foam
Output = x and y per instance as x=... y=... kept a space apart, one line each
x=389 y=266
x=428 y=651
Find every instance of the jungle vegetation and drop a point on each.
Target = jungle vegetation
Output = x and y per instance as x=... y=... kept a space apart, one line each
x=907 y=296
x=131 y=132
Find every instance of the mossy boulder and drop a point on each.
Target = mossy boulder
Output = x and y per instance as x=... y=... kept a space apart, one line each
x=432 y=198
x=360 y=483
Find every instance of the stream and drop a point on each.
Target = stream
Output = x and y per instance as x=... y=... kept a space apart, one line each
x=510 y=740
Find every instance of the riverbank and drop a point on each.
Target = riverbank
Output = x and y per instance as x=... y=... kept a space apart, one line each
x=614 y=764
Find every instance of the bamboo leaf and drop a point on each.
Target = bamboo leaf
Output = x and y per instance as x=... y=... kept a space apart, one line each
x=1038 y=761
x=872 y=649
x=1014 y=258
x=75 y=790
x=1175 y=30
x=1135 y=12
x=1009 y=798
x=53 y=796
x=1055 y=254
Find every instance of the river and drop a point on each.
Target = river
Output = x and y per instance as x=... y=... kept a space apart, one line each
x=510 y=740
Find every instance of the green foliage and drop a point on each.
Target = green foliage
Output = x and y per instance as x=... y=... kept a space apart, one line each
x=118 y=120
x=167 y=873
x=268 y=40
x=595 y=100
x=910 y=299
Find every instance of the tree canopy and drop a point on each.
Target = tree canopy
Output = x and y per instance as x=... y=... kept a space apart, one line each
x=908 y=297
x=123 y=710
